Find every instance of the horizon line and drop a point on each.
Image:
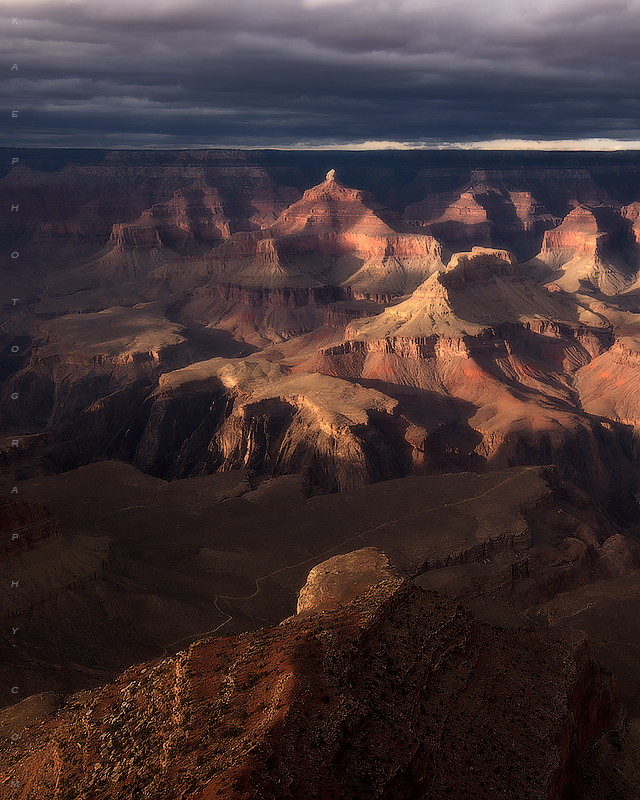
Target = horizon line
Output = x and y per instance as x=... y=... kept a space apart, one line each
x=335 y=149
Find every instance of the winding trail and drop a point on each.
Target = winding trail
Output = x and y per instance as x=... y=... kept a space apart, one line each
x=9 y=319
x=315 y=558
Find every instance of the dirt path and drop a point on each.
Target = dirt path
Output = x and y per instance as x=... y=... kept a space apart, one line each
x=321 y=555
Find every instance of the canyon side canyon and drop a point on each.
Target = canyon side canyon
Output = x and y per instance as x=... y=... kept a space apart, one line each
x=320 y=475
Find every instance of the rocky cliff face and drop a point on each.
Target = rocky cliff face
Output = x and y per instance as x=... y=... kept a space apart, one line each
x=481 y=264
x=532 y=214
x=24 y=525
x=260 y=316
x=334 y=235
x=582 y=250
x=482 y=403
x=632 y=213
x=378 y=688
x=485 y=213
x=608 y=385
x=223 y=415
x=193 y=219
x=477 y=345
x=87 y=373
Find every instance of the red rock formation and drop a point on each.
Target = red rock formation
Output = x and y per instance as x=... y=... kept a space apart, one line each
x=632 y=213
x=312 y=424
x=576 y=232
x=532 y=214
x=200 y=214
x=579 y=251
x=334 y=235
x=465 y=210
x=484 y=213
x=342 y=578
x=260 y=315
x=459 y=221
x=609 y=386
x=481 y=335
x=90 y=372
x=488 y=354
x=126 y=237
x=514 y=409
x=481 y=264
x=332 y=207
x=383 y=691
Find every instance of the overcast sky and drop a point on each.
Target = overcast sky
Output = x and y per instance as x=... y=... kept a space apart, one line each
x=327 y=73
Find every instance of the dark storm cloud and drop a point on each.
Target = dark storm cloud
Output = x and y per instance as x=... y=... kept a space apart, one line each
x=285 y=72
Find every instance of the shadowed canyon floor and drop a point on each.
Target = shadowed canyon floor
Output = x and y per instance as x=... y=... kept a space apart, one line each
x=170 y=562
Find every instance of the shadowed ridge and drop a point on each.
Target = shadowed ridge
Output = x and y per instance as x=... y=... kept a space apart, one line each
x=358 y=695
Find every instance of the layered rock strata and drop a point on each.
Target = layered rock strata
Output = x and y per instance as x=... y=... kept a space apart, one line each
x=481 y=361
x=486 y=213
x=86 y=373
x=251 y=414
x=204 y=195
x=579 y=252
x=334 y=236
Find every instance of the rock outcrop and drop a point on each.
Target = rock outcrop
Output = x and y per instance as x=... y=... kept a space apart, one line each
x=383 y=691
x=490 y=353
x=481 y=288
x=580 y=253
x=484 y=213
x=87 y=373
x=609 y=386
x=225 y=414
x=333 y=208
x=342 y=578
x=334 y=236
x=24 y=525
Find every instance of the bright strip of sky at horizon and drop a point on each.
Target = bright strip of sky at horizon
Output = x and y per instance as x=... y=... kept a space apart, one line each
x=357 y=74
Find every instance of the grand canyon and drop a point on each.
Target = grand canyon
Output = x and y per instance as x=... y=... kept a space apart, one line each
x=320 y=475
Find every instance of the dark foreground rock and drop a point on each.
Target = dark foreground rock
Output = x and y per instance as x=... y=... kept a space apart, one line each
x=381 y=690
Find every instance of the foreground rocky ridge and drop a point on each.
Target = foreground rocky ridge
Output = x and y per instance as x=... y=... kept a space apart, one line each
x=379 y=688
